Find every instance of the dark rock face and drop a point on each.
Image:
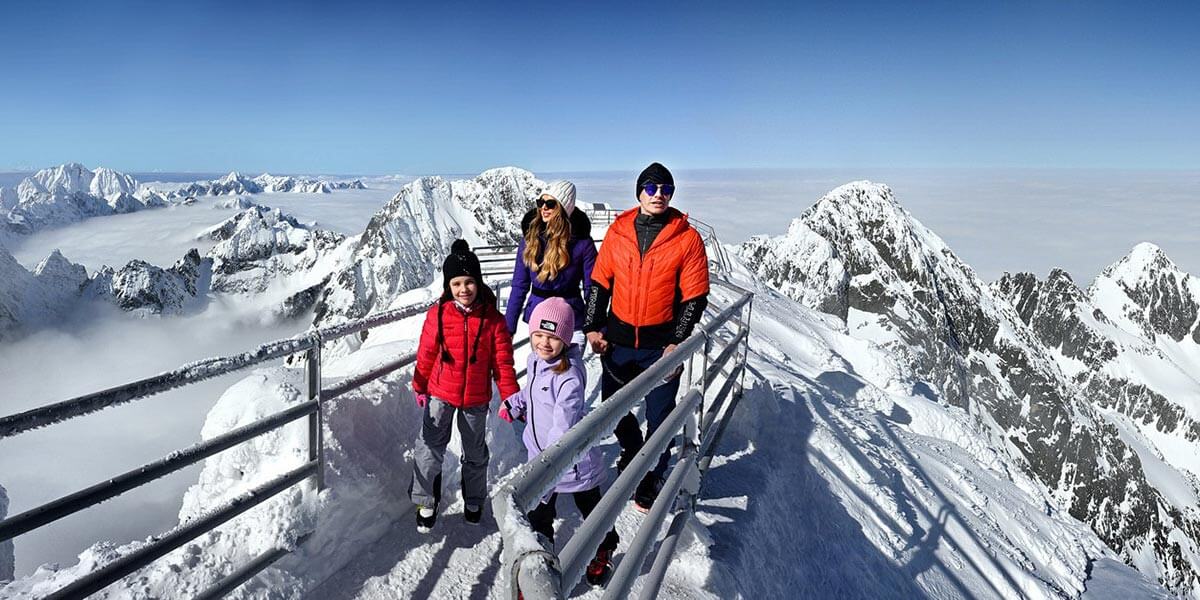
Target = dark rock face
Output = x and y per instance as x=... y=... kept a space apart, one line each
x=1055 y=310
x=146 y=289
x=979 y=352
x=1052 y=308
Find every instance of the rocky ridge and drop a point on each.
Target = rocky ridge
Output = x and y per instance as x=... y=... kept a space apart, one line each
x=858 y=255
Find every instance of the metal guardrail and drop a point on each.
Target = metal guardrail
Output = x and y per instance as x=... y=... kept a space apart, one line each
x=536 y=572
x=309 y=343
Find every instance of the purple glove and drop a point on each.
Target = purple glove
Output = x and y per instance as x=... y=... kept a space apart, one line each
x=422 y=400
x=504 y=413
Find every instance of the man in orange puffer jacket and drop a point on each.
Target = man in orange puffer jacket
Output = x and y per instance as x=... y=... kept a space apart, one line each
x=653 y=269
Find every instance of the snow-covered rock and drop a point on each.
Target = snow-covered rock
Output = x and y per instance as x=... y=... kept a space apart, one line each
x=907 y=292
x=41 y=210
x=261 y=249
x=1148 y=293
x=405 y=241
x=7 y=563
x=107 y=183
x=237 y=183
x=59 y=276
x=1130 y=363
x=151 y=198
x=70 y=193
x=145 y=289
x=253 y=234
x=29 y=300
x=236 y=203
x=125 y=202
x=8 y=199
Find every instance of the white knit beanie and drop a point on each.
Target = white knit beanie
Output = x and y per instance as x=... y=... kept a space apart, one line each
x=564 y=192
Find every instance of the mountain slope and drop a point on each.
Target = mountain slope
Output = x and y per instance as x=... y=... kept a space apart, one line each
x=896 y=284
x=405 y=242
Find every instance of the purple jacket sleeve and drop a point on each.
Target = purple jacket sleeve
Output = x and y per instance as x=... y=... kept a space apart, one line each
x=520 y=400
x=518 y=292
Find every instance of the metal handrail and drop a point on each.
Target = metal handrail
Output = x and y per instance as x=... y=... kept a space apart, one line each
x=536 y=572
x=309 y=342
x=111 y=572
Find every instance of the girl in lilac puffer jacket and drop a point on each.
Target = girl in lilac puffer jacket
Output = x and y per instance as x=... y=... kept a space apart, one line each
x=551 y=402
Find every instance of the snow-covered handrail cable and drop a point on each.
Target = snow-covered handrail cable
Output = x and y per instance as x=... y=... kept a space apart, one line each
x=535 y=571
x=191 y=373
x=308 y=343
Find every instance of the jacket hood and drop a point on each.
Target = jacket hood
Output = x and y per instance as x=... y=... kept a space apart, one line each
x=573 y=351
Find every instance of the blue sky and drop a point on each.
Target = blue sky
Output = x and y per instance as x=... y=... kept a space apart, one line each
x=390 y=88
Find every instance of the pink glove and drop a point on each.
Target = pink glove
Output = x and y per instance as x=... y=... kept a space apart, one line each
x=422 y=400
x=504 y=414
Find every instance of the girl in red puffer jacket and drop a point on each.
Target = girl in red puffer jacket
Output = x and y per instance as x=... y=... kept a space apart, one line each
x=464 y=345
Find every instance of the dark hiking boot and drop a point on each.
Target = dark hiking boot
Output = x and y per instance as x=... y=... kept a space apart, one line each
x=647 y=492
x=600 y=568
x=473 y=514
x=426 y=517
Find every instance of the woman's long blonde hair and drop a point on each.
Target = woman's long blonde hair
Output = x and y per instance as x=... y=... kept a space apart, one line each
x=557 y=254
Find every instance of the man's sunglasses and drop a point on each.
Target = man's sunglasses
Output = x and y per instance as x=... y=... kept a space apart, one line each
x=550 y=204
x=652 y=188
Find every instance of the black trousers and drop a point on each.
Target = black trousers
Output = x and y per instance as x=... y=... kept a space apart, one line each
x=542 y=516
x=621 y=366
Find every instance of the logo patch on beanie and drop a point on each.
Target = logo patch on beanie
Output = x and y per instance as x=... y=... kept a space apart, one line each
x=549 y=325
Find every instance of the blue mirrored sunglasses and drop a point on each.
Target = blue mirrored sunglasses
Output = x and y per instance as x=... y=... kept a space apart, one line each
x=652 y=188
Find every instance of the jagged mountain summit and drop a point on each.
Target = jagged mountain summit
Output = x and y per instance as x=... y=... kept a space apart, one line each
x=69 y=193
x=236 y=183
x=28 y=299
x=421 y=221
x=145 y=289
x=1127 y=343
x=261 y=250
x=858 y=255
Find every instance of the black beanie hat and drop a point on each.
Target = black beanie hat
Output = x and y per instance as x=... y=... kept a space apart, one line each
x=460 y=262
x=655 y=173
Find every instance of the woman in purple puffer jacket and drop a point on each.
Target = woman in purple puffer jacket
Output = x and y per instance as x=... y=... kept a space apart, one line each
x=551 y=402
x=555 y=257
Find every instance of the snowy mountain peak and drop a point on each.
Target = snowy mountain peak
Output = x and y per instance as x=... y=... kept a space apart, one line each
x=107 y=183
x=1149 y=290
x=233 y=177
x=1145 y=260
x=904 y=291
x=419 y=222
x=74 y=177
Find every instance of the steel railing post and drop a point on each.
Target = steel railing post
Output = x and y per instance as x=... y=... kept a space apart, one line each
x=316 y=434
x=703 y=382
x=746 y=347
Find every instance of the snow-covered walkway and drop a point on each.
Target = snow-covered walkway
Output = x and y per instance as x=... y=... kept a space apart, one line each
x=459 y=560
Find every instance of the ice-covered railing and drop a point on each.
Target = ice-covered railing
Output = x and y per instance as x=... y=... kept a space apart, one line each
x=535 y=571
x=308 y=343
